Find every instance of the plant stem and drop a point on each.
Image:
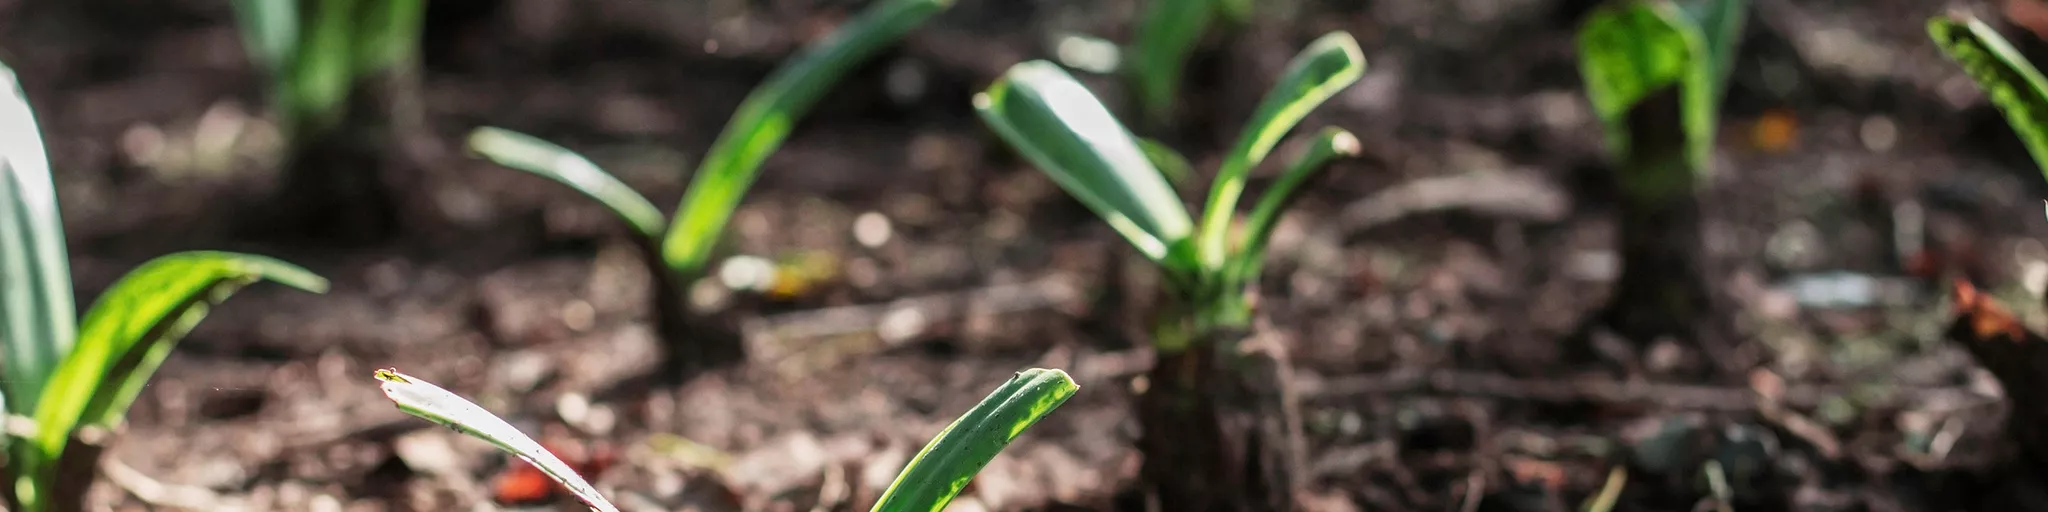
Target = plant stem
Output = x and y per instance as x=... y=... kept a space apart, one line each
x=690 y=342
x=1221 y=430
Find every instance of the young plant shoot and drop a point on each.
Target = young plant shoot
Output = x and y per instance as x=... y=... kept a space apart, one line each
x=1654 y=71
x=679 y=249
x=1204 y=391
x=1168 y=32
x=76 y=378
x=2011 y=83
x=930 y=481
x=340 y=176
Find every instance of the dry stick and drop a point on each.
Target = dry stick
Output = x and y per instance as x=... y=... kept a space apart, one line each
x=1674 y=396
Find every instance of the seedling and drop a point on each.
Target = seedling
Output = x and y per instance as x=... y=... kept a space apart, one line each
x=930 y=481
x=1060 y=127
x=1655 y=71
x=679 y=249
x=2013 y=84
x=72 y=377
x=317 y=51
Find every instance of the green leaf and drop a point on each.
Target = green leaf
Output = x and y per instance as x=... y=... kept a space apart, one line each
x=1167 y=32
x=1055 y=123
x=38 y=319
x=2013 y=84
x=765 y=118
x=388 y=35
x=430 y=402
x=127 y=334
x=1720 y=23
x=527 y=153
x=1329 y=145
x=1176 y=168
x=1654 y=77
x=270 y=31
x=945 y=465
x=316 y=84
x=1328 y=65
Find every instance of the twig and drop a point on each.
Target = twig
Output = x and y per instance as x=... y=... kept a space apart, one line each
x=897 y=321
x=160 y=494
x=1674 y=396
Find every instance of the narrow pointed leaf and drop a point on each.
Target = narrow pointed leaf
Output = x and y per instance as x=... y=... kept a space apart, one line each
x=1328 y=65
x=1720 y=23
x=949 y=461
x=38 y=320
x=1330 y=144
x=766 y=117
x=430 y=402
x=321 y=71
x=1167 y=32
x=1054 y=122
x=527 y=153
x=129 y=331
x=2013 y=84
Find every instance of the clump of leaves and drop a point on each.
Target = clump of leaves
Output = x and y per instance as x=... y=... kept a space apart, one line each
x=930 y=481
x=76 y=378
x=1204 y=392
x=683 y=245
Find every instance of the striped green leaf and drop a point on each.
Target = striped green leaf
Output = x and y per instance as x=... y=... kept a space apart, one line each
x=945 y=465
x=1056 y=124
x=127 y=334
x=1330 y=64
x=2013 y=84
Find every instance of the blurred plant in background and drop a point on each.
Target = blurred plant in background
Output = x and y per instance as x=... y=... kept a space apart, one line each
x=678 y=250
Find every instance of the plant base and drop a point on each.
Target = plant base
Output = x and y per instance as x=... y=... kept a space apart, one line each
x=1221 y=431
x=1665 y=289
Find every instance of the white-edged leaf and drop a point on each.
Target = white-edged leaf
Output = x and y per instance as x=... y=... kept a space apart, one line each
x=428 y=401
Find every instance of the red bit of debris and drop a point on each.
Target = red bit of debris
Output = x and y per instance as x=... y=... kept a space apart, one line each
x=1987 y=318
x=523 y=484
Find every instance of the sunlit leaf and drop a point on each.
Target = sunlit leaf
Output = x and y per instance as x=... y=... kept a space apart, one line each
x=527 y=153
x=1328 y=65
x=1054 y=122
x=949 y=461
x=766 y=117
x=1330 y=144
x=428 y=401
x=37 y=318
x=129 y=331
x=388 y=35
x=2013 y=84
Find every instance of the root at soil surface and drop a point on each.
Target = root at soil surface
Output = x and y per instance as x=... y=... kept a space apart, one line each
x=1220 y=429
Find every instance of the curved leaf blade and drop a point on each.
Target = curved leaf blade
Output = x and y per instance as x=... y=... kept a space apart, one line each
x=430 y=402
x=129 y=331
x=38 y=319
x=1326 y=66
x=1178 y=171
x=2011 y=83
x=1056 y=124
x=766 y=117
x=951 y=459
x=531 y=154
x=1330 y=144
